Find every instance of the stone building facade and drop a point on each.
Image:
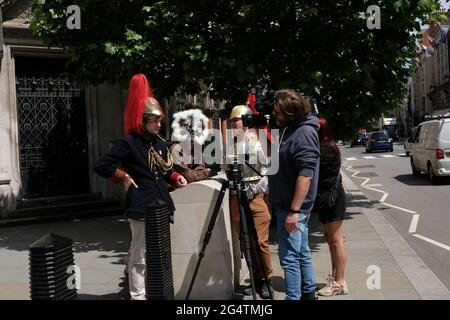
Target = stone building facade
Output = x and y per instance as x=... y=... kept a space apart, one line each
x=429 y=87
x=51 y=131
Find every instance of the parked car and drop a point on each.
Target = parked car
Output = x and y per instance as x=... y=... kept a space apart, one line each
x=358 y=140
x=379 y=140
x=430 y=151
x=409 y=141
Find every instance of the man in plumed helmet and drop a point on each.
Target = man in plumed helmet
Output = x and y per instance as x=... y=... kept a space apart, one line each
x=140 y=160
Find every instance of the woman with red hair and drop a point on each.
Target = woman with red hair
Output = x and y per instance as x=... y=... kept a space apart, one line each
x=331 y=213
x=143 y=163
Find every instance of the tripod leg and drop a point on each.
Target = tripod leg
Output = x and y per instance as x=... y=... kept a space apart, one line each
x=245 y=236
x=208 y=233
x=252 y=231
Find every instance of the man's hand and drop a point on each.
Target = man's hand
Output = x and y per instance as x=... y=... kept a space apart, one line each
x=291 y=223
x=128 y=181
x=180 y=182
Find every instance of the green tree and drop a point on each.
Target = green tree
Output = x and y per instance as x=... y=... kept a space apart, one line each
x=322 y=48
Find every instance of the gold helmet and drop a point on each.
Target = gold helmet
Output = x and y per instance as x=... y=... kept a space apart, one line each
x=152 y=108
x=238 y=111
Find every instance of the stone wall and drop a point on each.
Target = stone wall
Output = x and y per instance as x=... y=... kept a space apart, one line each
x=104 y=106
x=222 y=268
x=9 y=169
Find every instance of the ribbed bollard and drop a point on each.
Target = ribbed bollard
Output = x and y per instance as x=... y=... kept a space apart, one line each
x=50 y=259
x=159 y=284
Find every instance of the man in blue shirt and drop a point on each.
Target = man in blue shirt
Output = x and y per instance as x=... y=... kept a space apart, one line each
x=293 y=190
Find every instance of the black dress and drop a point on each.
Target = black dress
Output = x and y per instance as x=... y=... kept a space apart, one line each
x=330 y=166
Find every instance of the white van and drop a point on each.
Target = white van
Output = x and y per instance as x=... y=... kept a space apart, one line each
x=430 y=151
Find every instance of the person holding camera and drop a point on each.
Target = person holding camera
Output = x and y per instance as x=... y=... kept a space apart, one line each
x=330 y=205
x=293 y=190
x=256 y=187
x=140 y=161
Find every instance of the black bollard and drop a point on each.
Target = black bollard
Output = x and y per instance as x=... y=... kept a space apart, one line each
x=158 y=256
x=50 y=259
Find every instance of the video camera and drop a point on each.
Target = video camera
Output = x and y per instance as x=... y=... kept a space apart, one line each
x=258 y=120
x=265 y=98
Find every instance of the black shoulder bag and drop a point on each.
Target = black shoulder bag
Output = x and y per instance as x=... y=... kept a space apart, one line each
x=327 y=199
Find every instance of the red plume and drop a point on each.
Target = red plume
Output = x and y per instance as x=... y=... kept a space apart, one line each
x=139 y=91
x=251 y=102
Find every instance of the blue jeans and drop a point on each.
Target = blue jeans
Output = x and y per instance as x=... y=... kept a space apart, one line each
x=295 y=256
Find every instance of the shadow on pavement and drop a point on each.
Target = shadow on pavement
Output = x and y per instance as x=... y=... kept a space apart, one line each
x=278 y=283
x=111 y=234
x=316 y=238
x=421 y=180
x=359 y=201
x=123 y=294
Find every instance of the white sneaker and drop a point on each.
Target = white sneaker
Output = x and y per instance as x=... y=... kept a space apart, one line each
x=333 y=288
x=344 y=288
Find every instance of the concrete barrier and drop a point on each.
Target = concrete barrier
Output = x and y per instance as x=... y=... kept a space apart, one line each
x=222 y=268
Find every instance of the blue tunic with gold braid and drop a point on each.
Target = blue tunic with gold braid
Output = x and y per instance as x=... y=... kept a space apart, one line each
x=147 y=160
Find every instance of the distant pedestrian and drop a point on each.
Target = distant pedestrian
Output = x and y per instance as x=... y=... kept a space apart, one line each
x=330 y=205
x=293 y=190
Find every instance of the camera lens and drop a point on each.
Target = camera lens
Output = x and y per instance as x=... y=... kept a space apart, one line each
x=254 y=120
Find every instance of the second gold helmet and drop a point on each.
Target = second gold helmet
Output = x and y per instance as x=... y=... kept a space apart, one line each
x=238 y=111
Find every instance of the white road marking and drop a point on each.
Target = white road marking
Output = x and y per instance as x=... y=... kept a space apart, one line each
x=373 y=185
x=369 y=157
x=387 y=156
x=383 y=198
x=376 y=190
x=399 y=208
x=414 y=221
x=356 y=173
x=366 y=179
x=368 y=186
x=350 y=159
x=443 y=246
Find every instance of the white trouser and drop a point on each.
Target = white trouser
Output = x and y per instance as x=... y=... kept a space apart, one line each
x=136 y=262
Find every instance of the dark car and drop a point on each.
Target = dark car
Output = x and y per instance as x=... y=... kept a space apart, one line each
x=379 y=140
x=358 y=140
x=392 y=131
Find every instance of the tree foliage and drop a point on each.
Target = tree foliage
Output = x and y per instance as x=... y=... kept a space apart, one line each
x=319 y=47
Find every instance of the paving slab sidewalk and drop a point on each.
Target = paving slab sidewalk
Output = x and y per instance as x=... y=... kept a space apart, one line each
x=100 y=247
x=372 y=244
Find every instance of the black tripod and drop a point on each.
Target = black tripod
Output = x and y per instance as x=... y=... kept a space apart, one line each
x=247 y=225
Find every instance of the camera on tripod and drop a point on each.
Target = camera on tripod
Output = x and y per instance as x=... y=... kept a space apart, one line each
x=258 y=120
x=265 y=98
x=234 y=167
x=248 y=235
